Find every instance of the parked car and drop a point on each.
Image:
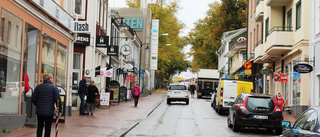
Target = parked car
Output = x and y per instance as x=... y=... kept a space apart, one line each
x=255 y=110
x=306 y=125
x=177 y=92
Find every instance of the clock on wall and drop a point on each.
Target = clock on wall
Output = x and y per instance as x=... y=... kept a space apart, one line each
x=125 y=50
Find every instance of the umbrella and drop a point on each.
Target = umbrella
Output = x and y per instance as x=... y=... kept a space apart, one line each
x=57 y=117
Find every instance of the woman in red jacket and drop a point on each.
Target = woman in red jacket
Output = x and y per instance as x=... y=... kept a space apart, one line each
x=136 y=93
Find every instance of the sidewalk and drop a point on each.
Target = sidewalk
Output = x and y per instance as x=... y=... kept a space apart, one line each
x=289 y=117
x=105 y=122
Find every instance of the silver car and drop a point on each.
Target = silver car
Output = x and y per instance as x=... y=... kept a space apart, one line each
x=177 y=92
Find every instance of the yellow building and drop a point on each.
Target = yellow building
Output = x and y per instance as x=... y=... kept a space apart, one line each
x=279 y=39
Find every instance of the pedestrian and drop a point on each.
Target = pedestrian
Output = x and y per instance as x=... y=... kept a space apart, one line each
x=44 y=97
x=136 y=93
x=192 y=88
x=93 y=92
x=82 y=91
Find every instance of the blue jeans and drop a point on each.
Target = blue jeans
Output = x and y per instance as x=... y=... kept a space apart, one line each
x=81 y=104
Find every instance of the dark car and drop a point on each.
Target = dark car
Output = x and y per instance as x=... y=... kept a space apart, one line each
x=255 y=110
x=307 y=125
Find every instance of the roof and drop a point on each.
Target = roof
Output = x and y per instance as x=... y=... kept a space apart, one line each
x=241 y=43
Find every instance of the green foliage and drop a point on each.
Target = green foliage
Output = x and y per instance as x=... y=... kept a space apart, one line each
x=171 y=59
x=205 y=38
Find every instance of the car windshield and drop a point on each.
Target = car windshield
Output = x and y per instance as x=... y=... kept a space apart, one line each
x=260 y=102
x=177 y=87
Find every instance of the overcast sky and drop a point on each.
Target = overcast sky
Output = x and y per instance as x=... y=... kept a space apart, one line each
x=190 y=12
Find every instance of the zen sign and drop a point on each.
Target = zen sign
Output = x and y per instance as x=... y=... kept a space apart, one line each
x=303 y=68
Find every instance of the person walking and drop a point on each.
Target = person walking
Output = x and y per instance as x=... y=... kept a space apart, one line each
x=93 y=92
x=192 y=88
x=136 y=93
x=44 y=97
x=82 y=91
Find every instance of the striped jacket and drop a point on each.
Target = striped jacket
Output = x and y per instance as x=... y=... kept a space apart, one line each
x=44 y=97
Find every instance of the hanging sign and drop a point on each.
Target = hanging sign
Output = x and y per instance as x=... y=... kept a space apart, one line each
x=283 y=78
x=133 y=78
x=248 y=72
x=265 y=71
x=102 y=41
x=303 y=68
x=83 y=39
x=276 y=77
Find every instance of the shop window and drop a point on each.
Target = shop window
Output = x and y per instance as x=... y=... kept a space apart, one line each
x=62 y=63
x=296 y=86
x=10 y=64
x=78 y=7
x=287 y=94
x=31 y=55
x=48 y=55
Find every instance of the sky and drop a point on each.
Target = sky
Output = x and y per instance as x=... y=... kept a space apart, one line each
x=190 y=12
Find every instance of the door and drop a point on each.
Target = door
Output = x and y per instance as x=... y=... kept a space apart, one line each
x=229 y=92
x=76 y=77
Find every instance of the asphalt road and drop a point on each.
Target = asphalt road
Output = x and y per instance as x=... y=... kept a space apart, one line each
x=197 y=119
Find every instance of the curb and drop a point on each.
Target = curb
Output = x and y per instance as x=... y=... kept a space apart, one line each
x=124 y=130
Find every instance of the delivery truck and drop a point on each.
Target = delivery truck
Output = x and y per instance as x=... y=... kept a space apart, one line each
x=227 y=92
x=207 y=82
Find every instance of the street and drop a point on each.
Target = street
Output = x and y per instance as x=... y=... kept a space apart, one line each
x=195 y=119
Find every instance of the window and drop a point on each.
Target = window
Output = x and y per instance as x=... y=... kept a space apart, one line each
x=289 y=18
x=17 y=39
x=10 y=64
x=298 y=15
x=302 y=119
x=9 y=32
x=311 y=122
x=2 y=28
x=78 y=6
x=267 y=29
x=48 y=61
x=62 y=63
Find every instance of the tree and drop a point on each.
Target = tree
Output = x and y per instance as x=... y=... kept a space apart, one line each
x=205 y=38
x=171 y=59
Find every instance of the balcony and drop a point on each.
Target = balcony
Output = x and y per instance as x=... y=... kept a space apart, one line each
x=259 y=11
x=279 y=40
x=278 y=2
x=258 y=52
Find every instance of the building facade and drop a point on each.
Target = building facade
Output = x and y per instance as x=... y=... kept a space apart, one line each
x=284 y=44
x=33 y=40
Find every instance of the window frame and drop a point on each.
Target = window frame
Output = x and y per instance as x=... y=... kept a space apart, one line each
x=298 y=15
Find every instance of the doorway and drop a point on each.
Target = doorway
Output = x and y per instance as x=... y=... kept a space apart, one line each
x=76 y=77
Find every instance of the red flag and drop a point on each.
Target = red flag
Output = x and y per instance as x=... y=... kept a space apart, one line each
x=283 y=78
x=128 y=78
x=276 y=77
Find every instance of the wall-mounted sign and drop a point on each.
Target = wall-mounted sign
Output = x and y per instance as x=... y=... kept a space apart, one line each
x=81 y=27
x=112 y=50
x=276 y=77
x=303 y=68
x=247 y=65
x=135 y=24
x=83 y=39
x=283 y=78
x=265 y=71
x=102 y=41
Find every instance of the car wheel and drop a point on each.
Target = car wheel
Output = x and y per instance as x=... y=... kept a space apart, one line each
x=214 y=104
x=278 y=131
x=187 y=101
x=168 y=102
x=220 y=111
x=229 y=122
x=235 y=127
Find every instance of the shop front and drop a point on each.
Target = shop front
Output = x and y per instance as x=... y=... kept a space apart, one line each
x=30 y=45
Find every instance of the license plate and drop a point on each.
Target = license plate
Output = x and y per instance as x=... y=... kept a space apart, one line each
x=260 y=117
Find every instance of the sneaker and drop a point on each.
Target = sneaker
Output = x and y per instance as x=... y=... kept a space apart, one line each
x=91 y=114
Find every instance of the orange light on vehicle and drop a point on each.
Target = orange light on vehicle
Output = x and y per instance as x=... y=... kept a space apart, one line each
x=186 y=90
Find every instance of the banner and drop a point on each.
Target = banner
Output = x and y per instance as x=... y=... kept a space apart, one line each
x=128 y=78
x=133 y=78
x=276 y=77
x=154 y=44
x=283 y=78
x=106 y=73
x=151 y=1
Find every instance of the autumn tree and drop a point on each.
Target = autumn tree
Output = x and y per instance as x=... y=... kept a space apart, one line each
x=205 y=38
x=171 y=59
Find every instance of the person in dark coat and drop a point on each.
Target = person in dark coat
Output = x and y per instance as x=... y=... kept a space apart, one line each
x=93 y=92
x=192 y=88
x=82 y=91
x=44 y=97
